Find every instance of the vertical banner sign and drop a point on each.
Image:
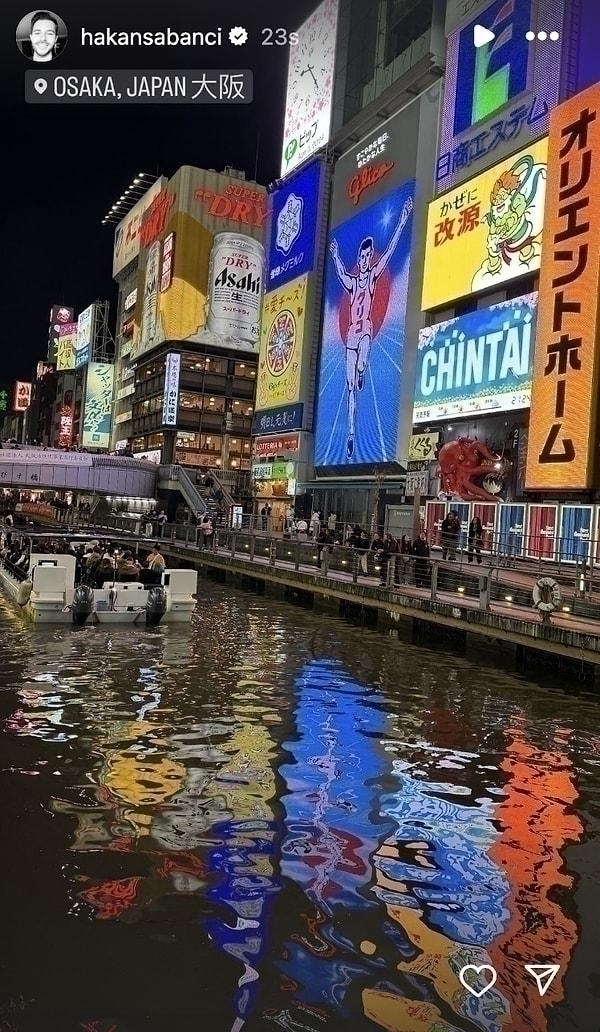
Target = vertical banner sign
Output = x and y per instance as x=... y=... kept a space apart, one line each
x=98 y=405
x=575 y=532
x=511 y=529
x=86 y=325
x=487 y=514
x=294 y=218
x=562 y=438
x=541 y=532
x=167 y=262
x=67 y=347
x=435 y=513
x=60 y=316
x=366 y=289
x=280 y=358
x=171 y=391
x=310 y=87
x=22 y=397
x=150 y=298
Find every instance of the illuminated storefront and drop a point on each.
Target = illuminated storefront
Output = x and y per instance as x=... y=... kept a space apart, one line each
x=214 y=409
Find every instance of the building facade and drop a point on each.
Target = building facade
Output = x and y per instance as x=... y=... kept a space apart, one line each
x=190 y=294
x=433 y=378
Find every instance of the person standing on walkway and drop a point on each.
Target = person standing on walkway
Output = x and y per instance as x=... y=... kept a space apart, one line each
x=207 y=530
x=332 y=522
x=290 y=516
x=263 y=517
x=421 y=553
x=315 y=524
x=475 y=539
x=450 y=531
x=302 y=529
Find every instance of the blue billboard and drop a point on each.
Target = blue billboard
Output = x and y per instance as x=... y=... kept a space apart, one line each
x=293 y=226
x=360 y=371
x=479 y=362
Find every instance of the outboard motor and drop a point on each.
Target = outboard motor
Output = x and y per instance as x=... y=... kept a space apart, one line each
x=83 y=604
x=156 y=606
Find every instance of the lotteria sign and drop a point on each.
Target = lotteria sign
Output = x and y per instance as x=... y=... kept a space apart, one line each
x=479 y=362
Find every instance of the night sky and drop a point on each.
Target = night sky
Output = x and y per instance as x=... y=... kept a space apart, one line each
x=65 y=166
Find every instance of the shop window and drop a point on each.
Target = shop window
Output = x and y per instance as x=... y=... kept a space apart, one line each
x=186 y=440
x=187 y=400
x=245 y=371
x=211 y=443
x=212 y=403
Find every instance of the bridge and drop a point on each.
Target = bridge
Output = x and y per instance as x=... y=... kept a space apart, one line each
x=129 y=477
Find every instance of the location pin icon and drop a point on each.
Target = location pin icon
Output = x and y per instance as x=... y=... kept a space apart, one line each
x=40 y=86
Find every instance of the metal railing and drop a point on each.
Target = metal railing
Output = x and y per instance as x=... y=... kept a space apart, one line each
x=546 y=552
x=458 y=582
x=188 y=489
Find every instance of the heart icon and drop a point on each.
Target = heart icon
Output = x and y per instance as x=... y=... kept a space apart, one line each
x=40 y=86
x=478 y=971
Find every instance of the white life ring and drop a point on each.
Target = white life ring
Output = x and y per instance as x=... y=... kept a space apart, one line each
x=546 y=594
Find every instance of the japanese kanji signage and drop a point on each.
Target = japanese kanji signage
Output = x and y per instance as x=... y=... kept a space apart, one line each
x=171 y=390
x=97 y=408
x=281 y=346
x=498 y=96
x=60 y=315
x=277 y=421
x=67 y=347
x=488 y=231
x=22 y=396
x=273 y=470
x=562 y=433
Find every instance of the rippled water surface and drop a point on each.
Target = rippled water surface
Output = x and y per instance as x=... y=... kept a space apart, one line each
x=274 y=820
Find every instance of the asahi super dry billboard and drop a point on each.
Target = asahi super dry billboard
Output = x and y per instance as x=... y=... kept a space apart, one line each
x=202 y=263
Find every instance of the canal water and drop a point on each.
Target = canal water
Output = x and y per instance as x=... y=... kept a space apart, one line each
x=275 y=820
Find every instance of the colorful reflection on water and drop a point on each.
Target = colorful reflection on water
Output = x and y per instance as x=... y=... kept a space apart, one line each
x=328 y=832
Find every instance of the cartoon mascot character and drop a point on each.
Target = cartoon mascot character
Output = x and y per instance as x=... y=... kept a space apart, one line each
x=514 y=221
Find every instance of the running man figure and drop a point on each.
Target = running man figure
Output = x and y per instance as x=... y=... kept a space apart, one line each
x=361 y=288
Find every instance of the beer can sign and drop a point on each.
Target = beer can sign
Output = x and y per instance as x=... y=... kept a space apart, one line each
x=150 y=299
x=236 y=277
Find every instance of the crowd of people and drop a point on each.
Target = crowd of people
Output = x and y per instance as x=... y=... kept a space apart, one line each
x=386 y=548
x=101 y=562
x=96 y=562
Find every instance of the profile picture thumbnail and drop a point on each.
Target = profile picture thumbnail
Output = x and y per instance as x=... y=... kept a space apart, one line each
x=41 y=36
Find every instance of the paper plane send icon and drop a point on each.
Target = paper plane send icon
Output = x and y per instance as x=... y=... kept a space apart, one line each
x=544 y=975
x=481 y=35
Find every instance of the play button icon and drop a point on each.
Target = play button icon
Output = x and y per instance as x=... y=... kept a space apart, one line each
x=481 y=35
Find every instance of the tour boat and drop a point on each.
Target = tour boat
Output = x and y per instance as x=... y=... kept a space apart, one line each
x=49 y=594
